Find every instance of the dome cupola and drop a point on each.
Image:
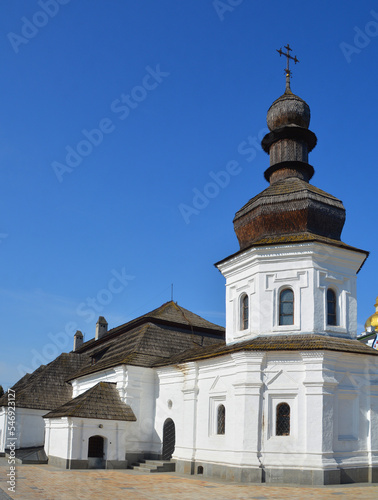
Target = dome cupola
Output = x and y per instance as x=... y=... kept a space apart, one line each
x=372 y=321
x=290 y=209
x=288 y=110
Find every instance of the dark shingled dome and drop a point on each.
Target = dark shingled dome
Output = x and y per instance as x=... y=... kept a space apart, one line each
x=289 y=109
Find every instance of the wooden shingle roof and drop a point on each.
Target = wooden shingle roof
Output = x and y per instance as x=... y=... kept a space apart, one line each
x=145 y=345
x=101 y=401
x=46 y=388
x=286 y=190
x=301 y=342
x=169 y=313
x=156 y=336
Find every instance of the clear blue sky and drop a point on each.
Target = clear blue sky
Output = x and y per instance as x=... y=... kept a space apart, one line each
x=175 y=87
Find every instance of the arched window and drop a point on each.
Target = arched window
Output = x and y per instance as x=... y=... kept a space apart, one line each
x=244 y=312
x=331 y=307
x=286 y=307
x=283 y=420
x=221 y=420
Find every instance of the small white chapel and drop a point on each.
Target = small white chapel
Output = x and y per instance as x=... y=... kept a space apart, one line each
x=284 y=394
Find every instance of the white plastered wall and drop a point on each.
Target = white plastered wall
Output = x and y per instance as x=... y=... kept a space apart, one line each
x=318 y=386
x=309 y=269
x=137 y=387
x=67 y=437
x=29 y=428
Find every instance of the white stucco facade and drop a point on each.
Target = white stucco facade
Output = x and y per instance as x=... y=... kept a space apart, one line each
x=330 y=397
x=137 y=387
x=333 y=399
x=66 y=441
x=308 y=269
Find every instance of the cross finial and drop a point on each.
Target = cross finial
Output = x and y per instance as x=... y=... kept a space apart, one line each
x=287 y=69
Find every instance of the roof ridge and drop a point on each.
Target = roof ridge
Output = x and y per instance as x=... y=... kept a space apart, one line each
x=182 y=312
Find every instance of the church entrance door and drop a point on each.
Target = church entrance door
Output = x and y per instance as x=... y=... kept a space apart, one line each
x=169 y=439
x=96 y=452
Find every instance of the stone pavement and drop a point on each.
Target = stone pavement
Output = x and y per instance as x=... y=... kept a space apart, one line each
x=43 y=482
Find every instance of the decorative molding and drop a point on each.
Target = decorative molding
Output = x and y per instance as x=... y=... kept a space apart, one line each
x=281 y=380
x=218 y=386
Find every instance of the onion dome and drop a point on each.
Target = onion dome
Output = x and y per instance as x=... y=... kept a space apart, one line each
x=373 y=319
x=290 y=209
x=289 y=109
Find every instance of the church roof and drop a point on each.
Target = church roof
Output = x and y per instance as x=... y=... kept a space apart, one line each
x=146 y=344
x=303 y=342
x=101 y=401
x=27 y=378
x=289 y=205
x=289 y=189
x=46 y=387
x=169 y=313
x=156 y=336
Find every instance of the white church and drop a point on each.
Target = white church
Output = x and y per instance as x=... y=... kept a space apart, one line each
x=286 y=393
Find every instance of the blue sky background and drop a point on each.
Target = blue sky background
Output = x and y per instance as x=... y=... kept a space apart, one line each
x=118 y=210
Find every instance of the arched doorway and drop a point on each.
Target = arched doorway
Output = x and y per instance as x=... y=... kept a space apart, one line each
x=169 y=439
x=96 y=452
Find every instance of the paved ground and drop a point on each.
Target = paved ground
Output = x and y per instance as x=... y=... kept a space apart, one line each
x=43 y=482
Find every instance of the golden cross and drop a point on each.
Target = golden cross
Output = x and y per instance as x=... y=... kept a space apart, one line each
x=288 y=57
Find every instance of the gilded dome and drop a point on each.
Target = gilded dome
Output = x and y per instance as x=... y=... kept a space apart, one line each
x=289 y=109
x=373 y=320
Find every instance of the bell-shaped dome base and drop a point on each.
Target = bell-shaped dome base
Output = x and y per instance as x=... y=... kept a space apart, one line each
x=289 y=206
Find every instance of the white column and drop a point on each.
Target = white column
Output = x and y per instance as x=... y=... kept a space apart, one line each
x=320 y=385
x=248 y=406
x=186 y=439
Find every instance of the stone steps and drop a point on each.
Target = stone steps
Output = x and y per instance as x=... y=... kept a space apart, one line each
x=151 y=466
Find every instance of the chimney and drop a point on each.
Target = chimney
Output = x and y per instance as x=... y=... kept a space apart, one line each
x=78 y=340
x=101 y=328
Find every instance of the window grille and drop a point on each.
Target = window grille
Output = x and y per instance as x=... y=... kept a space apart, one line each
x=286 y=307
x=283 y=420
x=221 y=420
x=331 y=308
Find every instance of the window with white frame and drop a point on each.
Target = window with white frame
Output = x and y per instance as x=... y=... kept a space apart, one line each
x=217 y=415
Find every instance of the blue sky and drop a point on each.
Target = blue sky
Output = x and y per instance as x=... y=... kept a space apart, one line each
x=166 y=92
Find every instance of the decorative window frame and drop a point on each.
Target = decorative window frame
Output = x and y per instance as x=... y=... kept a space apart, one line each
x=215 y=402
x=274 y=400
x=337 y=284
x=276 y=283
x=234 y=295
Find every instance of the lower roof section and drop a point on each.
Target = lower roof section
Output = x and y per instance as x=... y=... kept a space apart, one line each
x=101 y=401
x=302 y=342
